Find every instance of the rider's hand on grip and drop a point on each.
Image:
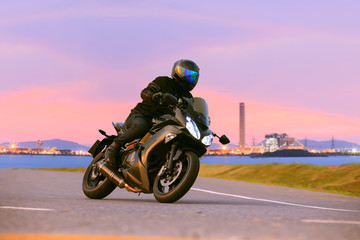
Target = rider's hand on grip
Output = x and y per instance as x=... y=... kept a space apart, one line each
x=158 y=97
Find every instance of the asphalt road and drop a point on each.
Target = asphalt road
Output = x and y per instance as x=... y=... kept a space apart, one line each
x=50 y=202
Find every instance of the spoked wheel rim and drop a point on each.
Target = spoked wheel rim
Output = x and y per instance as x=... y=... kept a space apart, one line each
x=169 y=181
x=95 y=185
x=170 y=187
x=95 y=178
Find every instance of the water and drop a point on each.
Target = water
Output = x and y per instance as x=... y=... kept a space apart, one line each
x=56 y=161
x=43 y=161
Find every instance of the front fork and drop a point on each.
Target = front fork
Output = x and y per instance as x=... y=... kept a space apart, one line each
x=170 y=162
x=173 y=156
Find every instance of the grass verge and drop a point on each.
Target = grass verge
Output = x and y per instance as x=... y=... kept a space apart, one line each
x=79 y=169
x=342 y=179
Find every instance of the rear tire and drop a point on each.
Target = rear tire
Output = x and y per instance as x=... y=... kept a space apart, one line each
x=95 y=185
x=169 y=189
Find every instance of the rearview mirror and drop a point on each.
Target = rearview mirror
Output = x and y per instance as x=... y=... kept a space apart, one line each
x=224 y=140
x=102 y=132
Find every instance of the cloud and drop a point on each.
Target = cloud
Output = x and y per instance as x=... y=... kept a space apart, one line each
x=25 y=13
x=50 y=113
x=45 y=113
x=32 y=65
x=294 y=73
x=313 y=69
x=264 y=118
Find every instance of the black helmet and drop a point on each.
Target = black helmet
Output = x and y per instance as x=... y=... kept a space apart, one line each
x=186 y=73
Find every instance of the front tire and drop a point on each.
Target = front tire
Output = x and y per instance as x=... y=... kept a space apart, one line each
x=95 y=185
x=169 y=188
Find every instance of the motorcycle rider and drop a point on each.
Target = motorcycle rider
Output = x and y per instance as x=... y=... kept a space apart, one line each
x=185 y=75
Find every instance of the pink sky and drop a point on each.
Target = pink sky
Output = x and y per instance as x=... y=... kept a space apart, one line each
x=68 y=69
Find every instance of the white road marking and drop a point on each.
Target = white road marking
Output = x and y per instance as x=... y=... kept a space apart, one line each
x=273 y=201
x=27 y=209
x=330 y=221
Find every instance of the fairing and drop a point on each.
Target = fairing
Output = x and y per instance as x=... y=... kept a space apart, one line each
x=201 y=107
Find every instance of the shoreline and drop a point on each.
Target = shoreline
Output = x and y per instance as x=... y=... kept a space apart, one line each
x=207 y=155
x=48 y=154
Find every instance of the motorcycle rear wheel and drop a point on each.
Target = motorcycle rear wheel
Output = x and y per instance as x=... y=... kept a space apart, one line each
x=169 y=189
x=95 y=185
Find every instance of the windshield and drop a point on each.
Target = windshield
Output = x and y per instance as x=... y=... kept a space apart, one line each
x=201 y=107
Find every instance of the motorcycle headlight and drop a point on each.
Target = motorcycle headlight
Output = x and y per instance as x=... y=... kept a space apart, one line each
x=207 y=140
x=193 y=129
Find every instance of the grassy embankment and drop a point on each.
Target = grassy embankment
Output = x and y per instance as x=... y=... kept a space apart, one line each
x=343 y=179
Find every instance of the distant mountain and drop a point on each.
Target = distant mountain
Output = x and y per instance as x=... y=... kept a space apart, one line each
x=48 y=144
x=321 y=145
x=69 y=145
x=310 y=144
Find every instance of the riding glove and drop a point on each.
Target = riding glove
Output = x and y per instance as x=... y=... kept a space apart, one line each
x=157 y=97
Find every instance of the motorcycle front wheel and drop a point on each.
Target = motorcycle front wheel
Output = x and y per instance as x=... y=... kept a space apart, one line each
x=169 y=188
x=95 y=185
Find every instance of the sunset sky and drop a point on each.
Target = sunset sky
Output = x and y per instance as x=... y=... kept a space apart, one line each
x=68 y=68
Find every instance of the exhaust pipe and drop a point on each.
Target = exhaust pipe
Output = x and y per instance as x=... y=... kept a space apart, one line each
x=104 y=168
x=111 y=175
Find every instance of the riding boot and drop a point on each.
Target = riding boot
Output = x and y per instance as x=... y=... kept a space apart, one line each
x=111 y=154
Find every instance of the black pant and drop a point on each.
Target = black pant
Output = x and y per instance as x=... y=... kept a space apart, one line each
x=137 y=125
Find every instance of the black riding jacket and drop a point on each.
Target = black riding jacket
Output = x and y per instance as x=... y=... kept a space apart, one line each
x=161 y=84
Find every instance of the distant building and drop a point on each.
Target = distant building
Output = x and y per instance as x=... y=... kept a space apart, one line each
x=66 y=152
x=275 y=141
x=242 y=142
x=248 y=150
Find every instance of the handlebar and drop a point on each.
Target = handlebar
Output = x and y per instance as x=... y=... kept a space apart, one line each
x=170 y=99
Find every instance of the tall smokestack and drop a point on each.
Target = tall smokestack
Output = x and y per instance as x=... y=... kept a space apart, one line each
x=242 y=142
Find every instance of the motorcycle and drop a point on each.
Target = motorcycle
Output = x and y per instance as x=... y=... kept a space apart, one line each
x=164 y=162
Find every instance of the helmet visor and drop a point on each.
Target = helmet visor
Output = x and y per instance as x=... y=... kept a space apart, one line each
x=190 y=75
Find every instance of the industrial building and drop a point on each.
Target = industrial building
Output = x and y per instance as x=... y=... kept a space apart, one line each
x=275 y=141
